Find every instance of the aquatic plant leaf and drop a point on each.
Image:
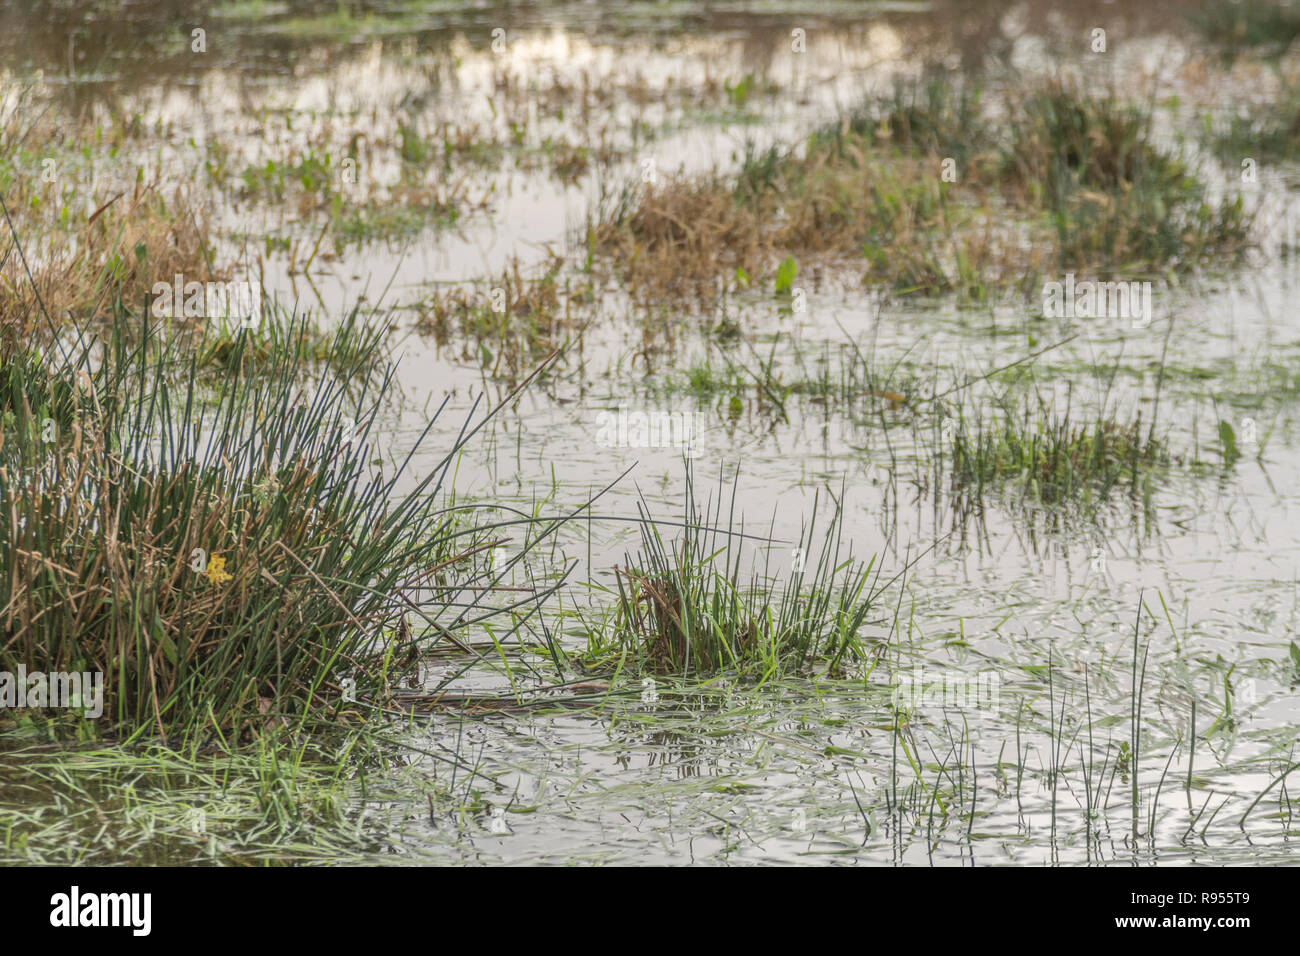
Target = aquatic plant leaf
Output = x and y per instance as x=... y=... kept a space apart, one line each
x=785 y=274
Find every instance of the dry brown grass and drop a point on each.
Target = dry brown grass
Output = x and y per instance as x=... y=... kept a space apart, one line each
x=682 y=238
x=92 y=228
x=123 y=248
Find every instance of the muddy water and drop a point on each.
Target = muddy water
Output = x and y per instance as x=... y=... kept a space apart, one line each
x=1038 y=616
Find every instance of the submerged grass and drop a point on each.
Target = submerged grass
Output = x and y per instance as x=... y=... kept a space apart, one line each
x=271 y=802
x=1051 y=457
x=513 y=318
x=283 y=799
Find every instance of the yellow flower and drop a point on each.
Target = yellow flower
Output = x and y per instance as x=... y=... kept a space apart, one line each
x=216 y=572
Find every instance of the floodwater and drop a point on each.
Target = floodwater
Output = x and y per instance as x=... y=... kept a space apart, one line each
x=1035 y=611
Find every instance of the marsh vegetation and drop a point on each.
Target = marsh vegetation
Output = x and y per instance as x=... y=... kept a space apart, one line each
x=945 y=573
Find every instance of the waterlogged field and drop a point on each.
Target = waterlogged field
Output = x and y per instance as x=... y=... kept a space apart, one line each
x=844 y=433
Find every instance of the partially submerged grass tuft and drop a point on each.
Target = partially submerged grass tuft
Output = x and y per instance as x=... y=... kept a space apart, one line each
x=688 y=238
x=1114 y=200
x=1048 y=456
x=513 y=318
x=84 y=264
x=272 y=802
x=683 y=607
x=1263 y=133
x=935 y=115
x=220 y=347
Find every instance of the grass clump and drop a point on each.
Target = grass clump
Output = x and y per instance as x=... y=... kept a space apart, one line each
x=98 y=229
x=1265 y=133
x=933 y=116
x=409 y=212
x=682 y=607
x=870 y=186
x=221 y=347
x=918 y=185
x=680 y=239
x=361 y=210
x=222 y=561
x=311 y=172
x=1114 y=200
x=1049 y=457
x=81 y=265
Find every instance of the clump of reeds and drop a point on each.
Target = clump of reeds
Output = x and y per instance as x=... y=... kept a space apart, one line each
x=222 y=559
x=223 y=345
x=684 y=608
